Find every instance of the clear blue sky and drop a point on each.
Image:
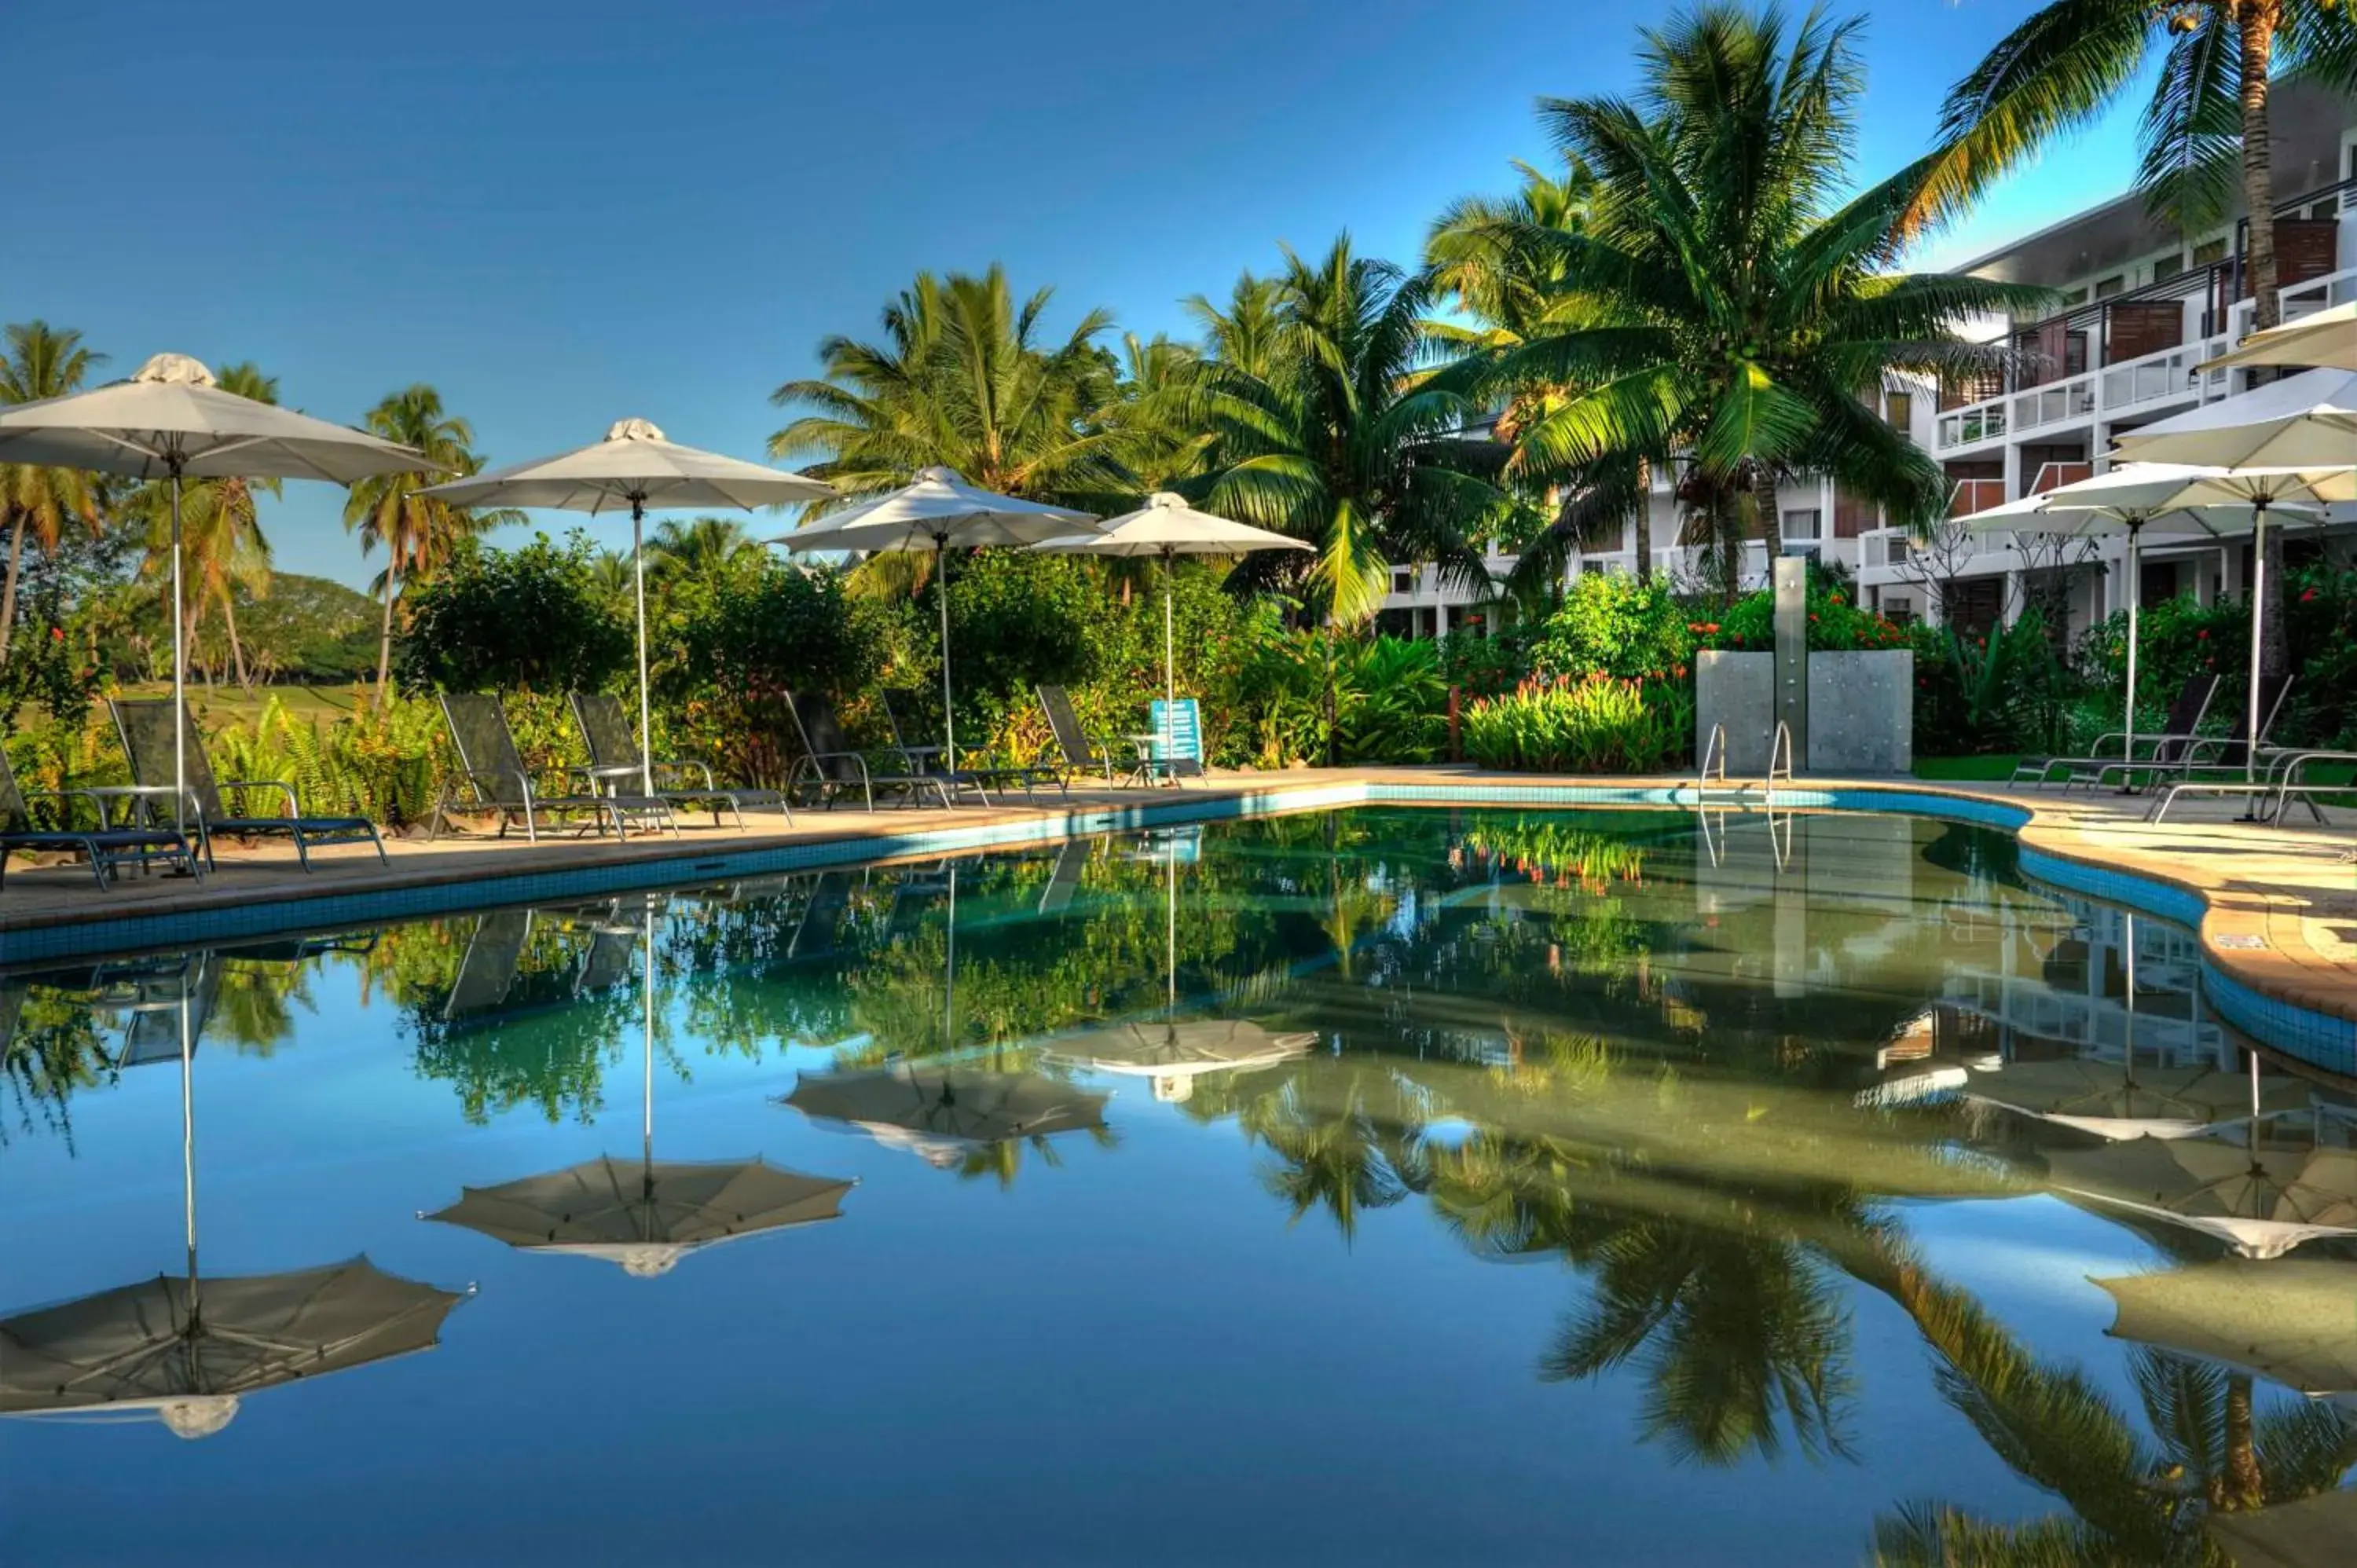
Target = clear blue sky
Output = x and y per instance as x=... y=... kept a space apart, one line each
x=565 y=214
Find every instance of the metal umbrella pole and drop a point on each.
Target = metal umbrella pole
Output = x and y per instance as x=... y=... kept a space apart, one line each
x=646 y=711
x=2135 y=595
x=2258 y=618
x=647 y=1089
x=949 y=724
x=1169 y=642
x=180 y=669
x=189 y=1144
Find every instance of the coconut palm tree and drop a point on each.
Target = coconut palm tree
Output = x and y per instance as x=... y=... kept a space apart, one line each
x=965 y=377
x=1247 y=333
x=42 y=361
x=222 y=548
x=417 y=531
x=1338 y=440
x=1734 y=317
x=704 y=548
x=2205 y=127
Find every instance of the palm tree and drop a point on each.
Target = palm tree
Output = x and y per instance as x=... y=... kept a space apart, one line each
x=1479 y=254
x=2205 y=126
x=222 y=548
x=1732 y=321
x=417 y=531
x=964 y=379
x=1337 y=439
x=42 y=361
x=704 y=548
x=1248 y=333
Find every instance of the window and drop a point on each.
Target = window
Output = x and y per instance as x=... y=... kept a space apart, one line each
x=2169 y=266
x=2116 y=284
x=1803 y=525
x=2209 y=252
x=1899 y=409
x=1403 y=580
x=1899 y=611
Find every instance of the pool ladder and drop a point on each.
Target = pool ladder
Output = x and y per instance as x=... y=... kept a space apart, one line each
x=1711 y=779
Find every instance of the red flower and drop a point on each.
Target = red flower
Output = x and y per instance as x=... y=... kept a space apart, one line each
x=2201 y=636
x=2307 y=598
x=1813 y=617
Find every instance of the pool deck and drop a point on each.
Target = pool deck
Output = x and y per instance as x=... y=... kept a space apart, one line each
x=2282 y=903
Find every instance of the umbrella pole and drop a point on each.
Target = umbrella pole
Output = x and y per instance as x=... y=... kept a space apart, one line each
x=646 y=716
x=942 y=594
x=2258 y=616
x=1170 y=641
x=1170 y=926
x=647 y=1092
x=189 y=1140
x=2135 y=593
x=948 y=987
x=179 y=672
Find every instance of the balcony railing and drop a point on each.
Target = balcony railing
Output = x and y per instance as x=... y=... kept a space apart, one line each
x=1976 y=495
x=2057 y=402
x=2054 y=476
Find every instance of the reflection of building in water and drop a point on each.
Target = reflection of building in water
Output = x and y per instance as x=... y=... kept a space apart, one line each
x=2074 y=1000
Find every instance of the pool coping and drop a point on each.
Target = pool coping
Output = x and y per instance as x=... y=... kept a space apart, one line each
x=2305 y=1005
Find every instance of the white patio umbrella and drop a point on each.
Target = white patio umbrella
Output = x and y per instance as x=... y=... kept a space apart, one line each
x=644 y=1216
x=935 y=511
x=169 y=421
x=635 y=466
x=1167 y=526
x=2293 y=440
x=2326 y=340
x=2126 y=500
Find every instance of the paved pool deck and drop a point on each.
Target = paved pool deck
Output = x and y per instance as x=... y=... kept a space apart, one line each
x=2280 y=904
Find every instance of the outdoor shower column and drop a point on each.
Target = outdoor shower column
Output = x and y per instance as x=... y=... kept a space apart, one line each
x=1789 y=575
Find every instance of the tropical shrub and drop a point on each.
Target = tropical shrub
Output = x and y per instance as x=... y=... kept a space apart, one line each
x=1836 y=623
x=1312 y=697
x=1594 y=725
x=386 y=763
x=532 y=619
x=1016 y=619
x=731 y=643
x=1486 y=666
x=1611 y=623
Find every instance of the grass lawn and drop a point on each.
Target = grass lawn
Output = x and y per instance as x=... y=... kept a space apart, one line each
x=228 y=702
x=1967 y=769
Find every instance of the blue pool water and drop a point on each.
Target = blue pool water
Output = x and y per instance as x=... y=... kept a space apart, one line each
x=1387 y=1185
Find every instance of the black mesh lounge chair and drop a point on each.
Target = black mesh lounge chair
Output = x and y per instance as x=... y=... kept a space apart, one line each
x=105 y=847
x=487 y=970
x=1072 y=859
x=2208 y=756
x=831 y=768
x=146 y=725
x=491 y=778
x=1084 y=753
x=2178 y=734
x=614 y=766
x=901 y=708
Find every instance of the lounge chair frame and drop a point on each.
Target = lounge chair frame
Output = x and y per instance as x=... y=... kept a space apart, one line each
x=491 y=771
x=900 y=704
x=2178 y=731
x=105 y=847
x=614 y=766
x=143 y=725
x=833 y=768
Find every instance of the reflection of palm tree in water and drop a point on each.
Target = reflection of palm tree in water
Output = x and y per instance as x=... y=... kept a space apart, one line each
x=1342 y=1160
x=2131 y=1501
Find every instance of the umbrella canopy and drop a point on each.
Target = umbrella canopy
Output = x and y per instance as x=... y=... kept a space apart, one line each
x=186 y=1351
x=1167 y=526
x=941 y=1112
x=2327 y=339
x=2313 y=1532
x=636 y=466
x=646 y=1216
x=2116 y=1100
x=2293 y=1322
x=169 y=421
x=2303 y=421
x=933 y=512
x=2260 y=1202
x=1172 y=1054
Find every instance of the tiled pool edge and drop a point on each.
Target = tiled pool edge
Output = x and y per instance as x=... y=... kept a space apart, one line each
x=2324 y=1039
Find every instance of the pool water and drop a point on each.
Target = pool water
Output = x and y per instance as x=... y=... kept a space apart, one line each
x=1386 y=1185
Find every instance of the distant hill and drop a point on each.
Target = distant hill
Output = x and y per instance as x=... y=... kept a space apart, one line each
x=316 y=631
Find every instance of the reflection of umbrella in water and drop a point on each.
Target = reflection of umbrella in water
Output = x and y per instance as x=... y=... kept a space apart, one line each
x=186 y=1348
x=2115 y=1100
x=2314 y=1533
x=942 y=1110
x=1174 y=1054
x=2293 y=1322
x=647 y=1214
x=2260 y=1202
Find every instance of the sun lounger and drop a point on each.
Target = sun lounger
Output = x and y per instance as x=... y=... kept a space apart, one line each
x=2177 y=732
x=1084 y=753
x=104 y=847
x=614 y=766
x=833 y=767
x=900 y=709
x=1177 y=747
x=2271 y=792
x=2211 y=756
x=491 y=778
x=146 y=725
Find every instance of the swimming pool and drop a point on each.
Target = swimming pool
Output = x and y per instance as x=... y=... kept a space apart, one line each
x=1148 y=1198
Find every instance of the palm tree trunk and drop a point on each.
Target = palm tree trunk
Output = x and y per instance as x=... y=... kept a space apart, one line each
x=236 y=653
x=2257 y=20
x=1644 y=521
x=8 y=593
x=384 y=638
x=2245 y=1487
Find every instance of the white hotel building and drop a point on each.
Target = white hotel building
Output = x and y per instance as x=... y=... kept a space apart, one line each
x=2142 y=305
